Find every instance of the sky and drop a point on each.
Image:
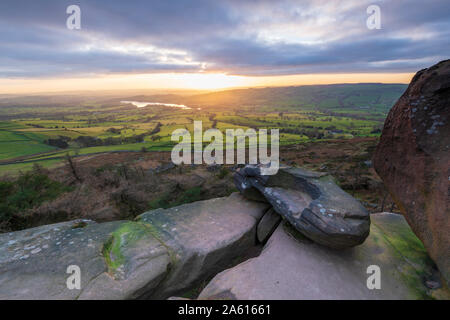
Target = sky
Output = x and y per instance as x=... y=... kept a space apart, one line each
x=205 y=44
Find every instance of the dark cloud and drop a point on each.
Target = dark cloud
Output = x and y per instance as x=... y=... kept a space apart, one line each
x=240 y=37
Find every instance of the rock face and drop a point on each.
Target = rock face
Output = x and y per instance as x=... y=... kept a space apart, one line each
x=269 y=222
x=204 y=237
x=413 y=159
x=34 y=262
x=311 y=202
x=293 y=267
x=165 y=252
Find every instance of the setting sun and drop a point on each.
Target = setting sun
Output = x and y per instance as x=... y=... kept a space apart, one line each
x=192 y=81
x=207 y=81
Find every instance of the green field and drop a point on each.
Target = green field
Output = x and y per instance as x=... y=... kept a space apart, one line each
x=302 y=114
x=13 y=169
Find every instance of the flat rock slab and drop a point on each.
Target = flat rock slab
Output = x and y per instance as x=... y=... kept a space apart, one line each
x=204 y=237
x=117 y=260
x=293 y=267
x=311 y=202
x=165 y=252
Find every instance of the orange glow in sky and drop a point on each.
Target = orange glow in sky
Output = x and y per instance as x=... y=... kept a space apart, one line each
x=201 y=81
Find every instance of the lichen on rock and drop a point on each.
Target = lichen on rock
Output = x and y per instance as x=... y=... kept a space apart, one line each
x=311 y=202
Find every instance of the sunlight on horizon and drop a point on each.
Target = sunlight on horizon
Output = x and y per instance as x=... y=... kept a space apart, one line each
x=191 y=81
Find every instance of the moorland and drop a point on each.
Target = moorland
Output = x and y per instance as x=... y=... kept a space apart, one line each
x=56 y=147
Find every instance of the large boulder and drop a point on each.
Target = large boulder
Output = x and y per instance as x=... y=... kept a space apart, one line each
x=413 y=159
x=117 y=260
x=204 y=238
x=165 y=252
x=293 y=267
x=311 y=202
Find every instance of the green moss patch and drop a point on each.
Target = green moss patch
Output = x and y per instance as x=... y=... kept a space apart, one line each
x=408 y=248
x=127 y=235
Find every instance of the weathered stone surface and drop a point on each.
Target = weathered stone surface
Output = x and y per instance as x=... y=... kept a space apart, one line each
x=137 y=263
x=204 y=237
x=165 y=252
x=245 y=187
x=413 y=159
x=269 y=222
x=33 y=262
x=311 y=202
x=293 y=267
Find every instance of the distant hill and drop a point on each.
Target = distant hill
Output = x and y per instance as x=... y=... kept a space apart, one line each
x=364 y=97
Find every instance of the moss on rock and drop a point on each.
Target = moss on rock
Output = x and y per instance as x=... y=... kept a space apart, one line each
x=397 y=236
x=127 y=235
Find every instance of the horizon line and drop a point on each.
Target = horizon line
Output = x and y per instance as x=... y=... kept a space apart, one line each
x=200 y=91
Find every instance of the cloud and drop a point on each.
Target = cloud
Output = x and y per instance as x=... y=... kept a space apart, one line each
x=245 y=37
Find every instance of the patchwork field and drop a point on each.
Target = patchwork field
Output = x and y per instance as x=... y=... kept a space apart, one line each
x=46 y=130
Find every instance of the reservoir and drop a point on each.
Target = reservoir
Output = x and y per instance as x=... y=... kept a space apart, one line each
x=144 y=104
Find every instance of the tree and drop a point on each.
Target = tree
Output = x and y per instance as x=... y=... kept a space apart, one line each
x=73 y=168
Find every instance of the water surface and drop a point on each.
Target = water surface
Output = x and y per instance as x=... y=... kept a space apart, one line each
x=141 y=104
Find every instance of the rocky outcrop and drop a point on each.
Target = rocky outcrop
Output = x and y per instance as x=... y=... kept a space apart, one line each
x=167 y=252
x=293 y=267
x=204 y=237
x=413 y=159
x=163 y=253
x=117 y=260
x=311 y=202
